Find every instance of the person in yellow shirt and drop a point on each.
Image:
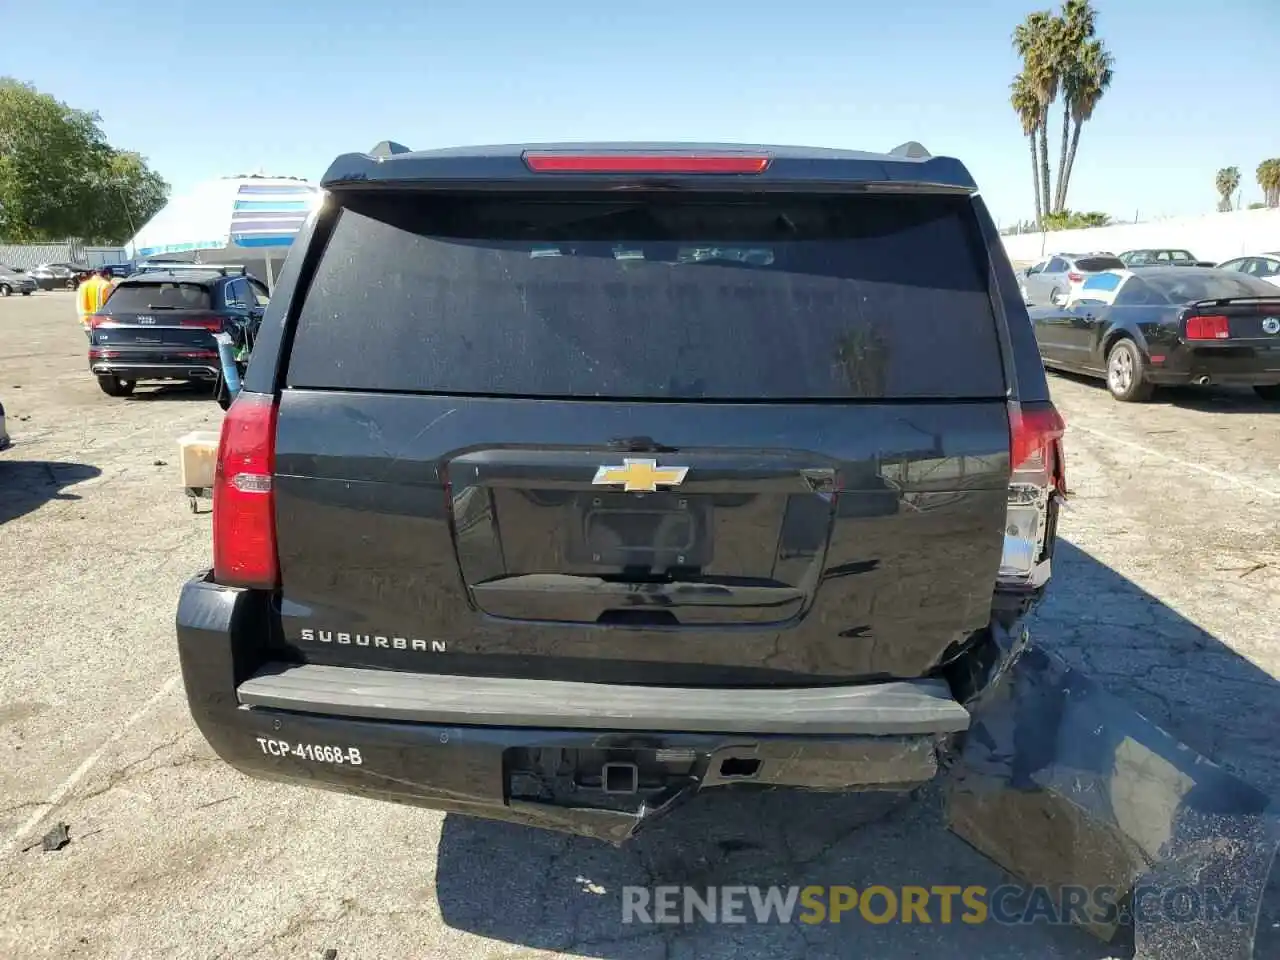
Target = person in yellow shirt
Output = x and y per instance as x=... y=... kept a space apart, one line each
x=92 y=294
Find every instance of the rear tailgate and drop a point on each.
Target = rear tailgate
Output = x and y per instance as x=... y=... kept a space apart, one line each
x=658 y=438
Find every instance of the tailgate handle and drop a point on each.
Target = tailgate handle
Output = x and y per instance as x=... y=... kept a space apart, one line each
x=639 y=595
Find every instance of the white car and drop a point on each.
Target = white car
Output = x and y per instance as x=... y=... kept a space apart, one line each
x=1056 y=279
x=1264 y=266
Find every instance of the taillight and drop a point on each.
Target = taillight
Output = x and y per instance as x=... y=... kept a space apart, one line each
x=542 y=162
x=1208 y=328
x=206 y=323
x=1035 y=437
x=97 y=320
x=244 y=526
x=1075 y=277
x=1037 y=474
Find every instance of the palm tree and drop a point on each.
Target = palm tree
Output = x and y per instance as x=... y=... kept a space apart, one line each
x=1090 y=82
x=1036 y=41
x=1027 y=106
x=1077 y=27
x=1269 y=180
x=1226 y=181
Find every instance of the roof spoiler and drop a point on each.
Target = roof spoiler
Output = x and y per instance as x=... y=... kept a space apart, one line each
x=1225 y=301
x=910 y=167
x=912 y=150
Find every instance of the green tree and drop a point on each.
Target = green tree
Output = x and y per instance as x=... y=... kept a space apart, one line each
x=60 y=178
x=127 y=193
x=1060 y=54
x=1226 y=181
x=1075 y=220
x=1026 y=104
x=1077 y=26
x=1090 y=80
x=1269 y=180
x=1036 y=41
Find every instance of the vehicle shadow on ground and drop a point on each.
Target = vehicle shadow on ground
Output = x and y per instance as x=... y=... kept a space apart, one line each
x=1217 y=399
x=146 y=393
x=553 y=892
x=1208 y=399
x=26 y=485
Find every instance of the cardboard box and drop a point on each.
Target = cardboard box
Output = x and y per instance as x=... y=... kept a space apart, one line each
x=198 y=455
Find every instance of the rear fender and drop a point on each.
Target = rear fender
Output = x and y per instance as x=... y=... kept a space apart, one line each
x=1124 y=331
x=1065 y=785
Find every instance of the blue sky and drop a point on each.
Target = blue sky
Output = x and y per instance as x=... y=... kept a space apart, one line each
x=206 y=89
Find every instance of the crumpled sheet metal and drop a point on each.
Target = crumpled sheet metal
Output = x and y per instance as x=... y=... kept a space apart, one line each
x=1061 y=783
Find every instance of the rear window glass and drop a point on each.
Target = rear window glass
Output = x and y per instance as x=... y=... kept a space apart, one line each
x=1094 y=264
x=158 y=296
x=652 y=297
x=1210 y=286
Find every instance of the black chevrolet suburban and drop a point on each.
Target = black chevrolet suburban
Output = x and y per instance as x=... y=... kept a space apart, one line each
x=566 y=481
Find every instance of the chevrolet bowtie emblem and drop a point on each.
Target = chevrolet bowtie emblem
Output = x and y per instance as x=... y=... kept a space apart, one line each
x=640 y=476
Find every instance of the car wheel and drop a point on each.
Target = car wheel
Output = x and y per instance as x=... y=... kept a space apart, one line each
x=71 y=284
x=1269 y=392
x=26 y=293
x=115 y=387
x=1126 y=373
x=5 y=290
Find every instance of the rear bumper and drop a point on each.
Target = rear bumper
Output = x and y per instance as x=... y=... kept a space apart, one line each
x=155 y=371
x=1244 y=366
x=594 y=759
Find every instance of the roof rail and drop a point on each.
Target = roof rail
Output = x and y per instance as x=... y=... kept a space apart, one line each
x=222 y=269
x=388 y=148
x=912 y=149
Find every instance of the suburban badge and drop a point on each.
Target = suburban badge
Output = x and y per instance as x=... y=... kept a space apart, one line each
x=640 y=476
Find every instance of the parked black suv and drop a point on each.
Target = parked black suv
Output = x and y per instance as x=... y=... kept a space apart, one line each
x=160 y=326
x=566 y=481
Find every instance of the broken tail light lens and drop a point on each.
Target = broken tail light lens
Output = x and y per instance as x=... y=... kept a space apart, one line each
x=244 y=522
x=1037 y=475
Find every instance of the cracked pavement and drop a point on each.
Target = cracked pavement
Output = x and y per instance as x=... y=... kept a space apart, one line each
x=1167 y=590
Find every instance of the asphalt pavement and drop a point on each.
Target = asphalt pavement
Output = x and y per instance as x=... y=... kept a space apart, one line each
x=1167 y=589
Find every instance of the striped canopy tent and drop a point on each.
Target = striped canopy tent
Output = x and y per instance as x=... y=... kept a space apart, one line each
x=231 y=220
